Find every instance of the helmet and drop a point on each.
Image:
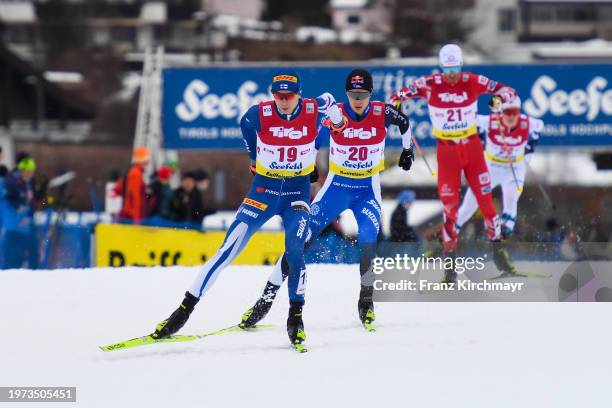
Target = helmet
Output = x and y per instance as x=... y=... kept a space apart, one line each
x=286 y=79
x=141 y=155
x=450 y=56
x=513 y=104
x=406 y=196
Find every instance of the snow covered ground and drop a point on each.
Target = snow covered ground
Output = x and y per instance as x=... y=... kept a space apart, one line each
x=424 y=354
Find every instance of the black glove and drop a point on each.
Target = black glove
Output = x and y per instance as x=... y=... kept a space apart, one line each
x=530 y=146
x=314 y=176
x=406 y=159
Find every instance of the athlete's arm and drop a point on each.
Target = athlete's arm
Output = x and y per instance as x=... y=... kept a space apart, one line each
x=327 y=104
x=482 y=121
x=394 y=117
x=536 y=126
x=484 y=85
x=249 y=124
x=417 y=89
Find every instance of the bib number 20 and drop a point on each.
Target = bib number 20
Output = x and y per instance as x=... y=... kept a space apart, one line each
x=358 y=153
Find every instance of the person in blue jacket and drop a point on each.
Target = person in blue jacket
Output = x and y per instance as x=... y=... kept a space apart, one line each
x=281 y=136
x=20 y=243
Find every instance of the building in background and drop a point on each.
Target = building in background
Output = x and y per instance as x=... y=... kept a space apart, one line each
x=542 y=30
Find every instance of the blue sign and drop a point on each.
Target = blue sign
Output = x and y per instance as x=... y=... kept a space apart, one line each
x=202 y=107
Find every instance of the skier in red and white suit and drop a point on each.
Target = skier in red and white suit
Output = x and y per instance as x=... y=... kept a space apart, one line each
x=452 y=99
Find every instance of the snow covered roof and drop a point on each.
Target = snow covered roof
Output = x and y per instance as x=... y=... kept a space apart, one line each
x=348 y=4
x=12 y=12
x=567 y=1
x=154 y=12
x=597 y=48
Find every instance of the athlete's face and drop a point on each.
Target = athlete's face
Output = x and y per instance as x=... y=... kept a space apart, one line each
x=451 y=74
x=286 y=101
x=358 y=99
x=511 y=117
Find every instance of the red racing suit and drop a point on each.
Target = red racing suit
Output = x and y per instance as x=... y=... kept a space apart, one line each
x=453 y=110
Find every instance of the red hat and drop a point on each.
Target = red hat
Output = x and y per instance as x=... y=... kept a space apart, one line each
x=164 y=173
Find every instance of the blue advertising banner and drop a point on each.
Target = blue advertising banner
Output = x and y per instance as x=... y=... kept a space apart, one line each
x=202 y=107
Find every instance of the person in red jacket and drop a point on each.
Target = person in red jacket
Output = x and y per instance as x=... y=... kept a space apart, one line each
x=134 y=189
x=452 y=99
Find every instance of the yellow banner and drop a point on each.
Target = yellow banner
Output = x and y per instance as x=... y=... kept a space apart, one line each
x=127 y=245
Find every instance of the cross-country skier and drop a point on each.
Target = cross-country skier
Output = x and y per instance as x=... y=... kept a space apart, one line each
x=356 y=156
x=452 y=99
x=510 y=139
x=281 y=138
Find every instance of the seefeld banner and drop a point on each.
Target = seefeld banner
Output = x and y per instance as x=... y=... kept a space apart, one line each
x=202 y=107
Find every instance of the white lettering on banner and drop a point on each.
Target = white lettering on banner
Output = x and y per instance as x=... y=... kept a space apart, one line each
x=197 y=101
x=590 y=101
x=359 y=133
x=280 y=131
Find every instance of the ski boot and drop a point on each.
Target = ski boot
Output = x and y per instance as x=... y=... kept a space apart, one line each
x=502 y=259
x=365 y=307
x=261 y=308
x=295 y=325
x=506 y=233
x=177 y=319
x=450 y=275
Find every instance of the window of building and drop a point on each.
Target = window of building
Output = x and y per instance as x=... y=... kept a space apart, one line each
x=353 y=19
x=506 y=20
x=123 y=34
x=219 y=183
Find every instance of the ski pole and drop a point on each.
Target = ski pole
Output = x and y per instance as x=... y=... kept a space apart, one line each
x=418 y=147
x=541 y=188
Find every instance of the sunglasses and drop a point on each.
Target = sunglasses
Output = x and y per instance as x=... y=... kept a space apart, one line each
x=284 y=96
x=358 y=95
x=512 y=112
x=451 y=70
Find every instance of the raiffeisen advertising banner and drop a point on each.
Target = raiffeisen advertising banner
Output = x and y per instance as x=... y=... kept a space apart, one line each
x=202 y=107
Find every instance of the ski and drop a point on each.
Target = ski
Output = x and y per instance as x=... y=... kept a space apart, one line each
x=177 y=338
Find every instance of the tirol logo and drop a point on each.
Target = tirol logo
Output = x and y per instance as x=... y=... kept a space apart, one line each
x=198 y=101
x=281 y=131
x=546 y=98
x=453 y=97
x=359 y=133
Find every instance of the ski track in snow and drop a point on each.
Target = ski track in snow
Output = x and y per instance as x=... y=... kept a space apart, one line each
x=423 y=354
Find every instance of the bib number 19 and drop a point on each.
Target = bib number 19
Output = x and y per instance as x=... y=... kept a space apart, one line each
x=288 y=154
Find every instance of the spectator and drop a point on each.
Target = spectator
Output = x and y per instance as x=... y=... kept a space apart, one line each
x=3 y=173
x=20 y=242
x=133 y=188
x=182 y=205
x=400 y=230
x=161 y=194
x=202 y=183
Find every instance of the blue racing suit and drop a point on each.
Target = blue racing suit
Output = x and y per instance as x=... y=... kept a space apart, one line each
x=288 y=197
x=360 y=195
